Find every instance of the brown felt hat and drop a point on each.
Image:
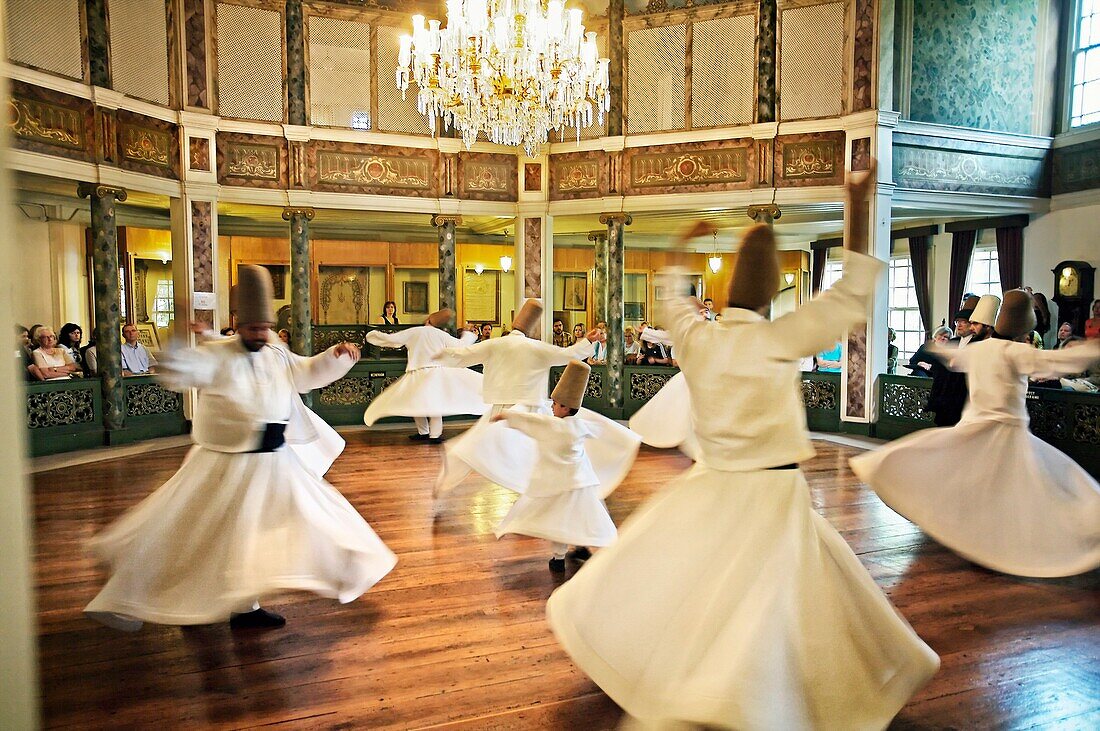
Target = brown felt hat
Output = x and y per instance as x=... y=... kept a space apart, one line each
x=967 y=309
x=255 y=295
x=755 y=279
x=528 y=318
x=233 y=296
x=1017 y=316
x=440 y=318
x=572 y=385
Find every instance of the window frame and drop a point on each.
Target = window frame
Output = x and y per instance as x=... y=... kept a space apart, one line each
x=994 y=259
x=1069 y=56
x=903 y=354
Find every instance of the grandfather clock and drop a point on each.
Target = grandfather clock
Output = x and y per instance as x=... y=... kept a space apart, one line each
x=1073 y=283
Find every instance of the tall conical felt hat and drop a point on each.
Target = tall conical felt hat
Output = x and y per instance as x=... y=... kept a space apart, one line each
x=967 y=309
x=574 y=381
x=528 y=317
x=756 y=275
x=1017 y=316
x=255 y=295
x=440 y=318
x=986 y=311
x=234 y=294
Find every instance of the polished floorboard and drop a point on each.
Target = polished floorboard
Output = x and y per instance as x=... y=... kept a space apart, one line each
x=455 y=637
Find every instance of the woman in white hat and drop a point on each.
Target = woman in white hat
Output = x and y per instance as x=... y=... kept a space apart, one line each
x=1021 y=506
x=428 y=391
x=563 y=503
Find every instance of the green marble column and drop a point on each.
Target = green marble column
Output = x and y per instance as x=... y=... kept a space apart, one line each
x=295 y=64
x=301 y=313
x=616 y=10
x=599 y=280
x=616 y=225
x=765 y=70
x=446 y=225
x=108 y=313
x=99 y=44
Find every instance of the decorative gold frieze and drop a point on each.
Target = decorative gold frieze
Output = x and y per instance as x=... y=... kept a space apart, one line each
x=252 y=161
x=147 y=145
x=689 y=168
x=199 y=153
x=816 y=159
x=482 y=177
x=579 y=176
x=348 y=168
x=51 y=124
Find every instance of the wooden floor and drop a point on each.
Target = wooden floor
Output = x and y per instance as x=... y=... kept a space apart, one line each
x=455 y=637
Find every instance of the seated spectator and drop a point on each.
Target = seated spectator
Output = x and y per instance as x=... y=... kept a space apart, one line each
x=632 y=348
x=654 y=353
x=1065 y=336
x=389 y=314
x=227 y=331
x=1092 y=325
x=708 y=309
x=284 y=336
x=136 y=360
x=91 y=360
x=485 y=332
x=828 y=361
x=562 y=339
x=33 y=333
x=70 y=338
x=24 y=361
x=579 y=332
x=599 y=355
x=921 y=362
x=54 y=362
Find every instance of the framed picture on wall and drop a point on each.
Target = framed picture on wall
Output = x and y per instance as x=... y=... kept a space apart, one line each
x=481 y=296
x=278 y=279
x=415 y=297
x=575 y=293
x=634 y=310
x=147 y=335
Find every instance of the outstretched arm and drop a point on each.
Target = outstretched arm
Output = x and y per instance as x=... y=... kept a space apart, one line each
x=321 y=369
x=1047 y=364
x=398 y=339
x=188 y=368
x=465 y=356
x=533 y=425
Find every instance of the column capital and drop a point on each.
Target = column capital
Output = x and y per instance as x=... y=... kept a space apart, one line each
x=764 y=214
x=597 y=235
x=442 y=219
x=623 y=218
x=87 y=190
x=290 y=212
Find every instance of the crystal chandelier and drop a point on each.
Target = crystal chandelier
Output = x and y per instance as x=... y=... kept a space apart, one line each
x=513 y=69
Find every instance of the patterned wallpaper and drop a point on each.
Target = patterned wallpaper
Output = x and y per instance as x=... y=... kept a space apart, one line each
x=974 y=63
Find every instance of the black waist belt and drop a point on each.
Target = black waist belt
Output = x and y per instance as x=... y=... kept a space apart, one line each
x=784 y=467
x=274 y=437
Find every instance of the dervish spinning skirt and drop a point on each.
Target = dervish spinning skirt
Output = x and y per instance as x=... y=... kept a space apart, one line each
x=574 y=517
x=1019 y=506
x=728 y=602
x=665 y=420
x=433 y=391
x=228 y=530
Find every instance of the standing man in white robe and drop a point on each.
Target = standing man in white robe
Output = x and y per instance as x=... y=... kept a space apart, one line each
x=517 y=374
x=428 y=391
x=244 y=517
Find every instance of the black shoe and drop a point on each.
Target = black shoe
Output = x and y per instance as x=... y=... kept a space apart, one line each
x=557 y=565
x=257 y=619
x=435 y=440
x=580 y=553
x=419 y=437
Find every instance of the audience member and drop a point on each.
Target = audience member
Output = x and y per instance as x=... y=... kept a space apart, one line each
x=33 y=333
x=24 y=361
x=54 y=362
x=1065 y=336
x=70 y=338
x=631 y=347
x=921 y=362
x=578 y=332
x=562 y=339
x=828 y=361
x=1092 y=325
x=227 y=331
x=485 y=332
x=708 y=309
x=1042 y=313
x=654 y=353
x=136 y=360
x=284 y=336
x=891 y=352
x=389 y=314
x=91 y=360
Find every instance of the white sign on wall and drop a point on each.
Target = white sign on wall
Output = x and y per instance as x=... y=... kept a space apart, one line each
x=205 y=301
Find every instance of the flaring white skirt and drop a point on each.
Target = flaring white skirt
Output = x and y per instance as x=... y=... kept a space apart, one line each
x=727 y=601
x=575 y=517
x=665 y=420
x=429 y=392
x=993 y=493
x=507 y=456
x=227 y=530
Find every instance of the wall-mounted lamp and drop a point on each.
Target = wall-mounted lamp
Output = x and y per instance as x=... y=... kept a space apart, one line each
x=788 y=277
x=715 y=263
x=506 y=263
x=479 y=268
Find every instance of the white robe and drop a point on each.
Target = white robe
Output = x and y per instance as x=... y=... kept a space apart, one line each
x=233 y=526
x=517 y=373
x=727 y=601
x=562 y=504
x=1010 y=501
x=427 y=389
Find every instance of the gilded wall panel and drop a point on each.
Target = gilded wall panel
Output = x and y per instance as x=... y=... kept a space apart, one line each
x=488 y=177
x=932 y=163
x=690 y=168
x=147 y=145
x=41 y=120
x=343 y=167
x=576 y=175
x=809 y=159
x=252 y=161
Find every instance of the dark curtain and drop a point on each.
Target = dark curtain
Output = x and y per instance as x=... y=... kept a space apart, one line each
x=1010 y=257
x=818 y=273
x=919 y=247
x=962 y=248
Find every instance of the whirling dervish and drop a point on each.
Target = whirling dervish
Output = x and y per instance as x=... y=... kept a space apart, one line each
x=727 y=600
x=244 y=517
x=1021 y=507
x=517 y=374
x=428 y=391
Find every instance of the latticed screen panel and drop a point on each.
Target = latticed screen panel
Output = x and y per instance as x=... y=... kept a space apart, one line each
x=46 y=35
x=723 y=71
x=339 y=73
x=394 y=113
x=596 y=130
x=139 y=48
x=656 y=83
x=250 y=62
x=811 y=61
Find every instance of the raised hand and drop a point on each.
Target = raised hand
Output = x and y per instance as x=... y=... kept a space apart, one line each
x=699 y=229
x=349 y=349
x=859 y=186
x=595 y=335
